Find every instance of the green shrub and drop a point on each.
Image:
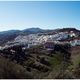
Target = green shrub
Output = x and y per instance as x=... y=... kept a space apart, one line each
x=10 y=70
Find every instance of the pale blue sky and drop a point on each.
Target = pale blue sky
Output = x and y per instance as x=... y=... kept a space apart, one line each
x=45 y=14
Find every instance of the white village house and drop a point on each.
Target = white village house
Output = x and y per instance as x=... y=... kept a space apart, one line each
x=75 y=42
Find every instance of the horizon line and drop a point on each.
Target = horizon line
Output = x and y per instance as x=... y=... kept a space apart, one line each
x=39 y=28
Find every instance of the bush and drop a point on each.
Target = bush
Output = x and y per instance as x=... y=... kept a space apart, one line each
x=45 y=61
x=10 y=70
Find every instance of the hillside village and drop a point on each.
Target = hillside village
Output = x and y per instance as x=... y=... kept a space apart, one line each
x=30 y=40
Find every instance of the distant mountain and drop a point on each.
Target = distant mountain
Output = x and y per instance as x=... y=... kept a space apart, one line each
x=37 y=30
x=32 y=31
x=8 y=35
x=9 y=32
x=68 y=30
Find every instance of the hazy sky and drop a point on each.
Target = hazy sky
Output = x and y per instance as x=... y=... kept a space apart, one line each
x=45 y=14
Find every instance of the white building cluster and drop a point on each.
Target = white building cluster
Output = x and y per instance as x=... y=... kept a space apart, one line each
x=35 y=39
